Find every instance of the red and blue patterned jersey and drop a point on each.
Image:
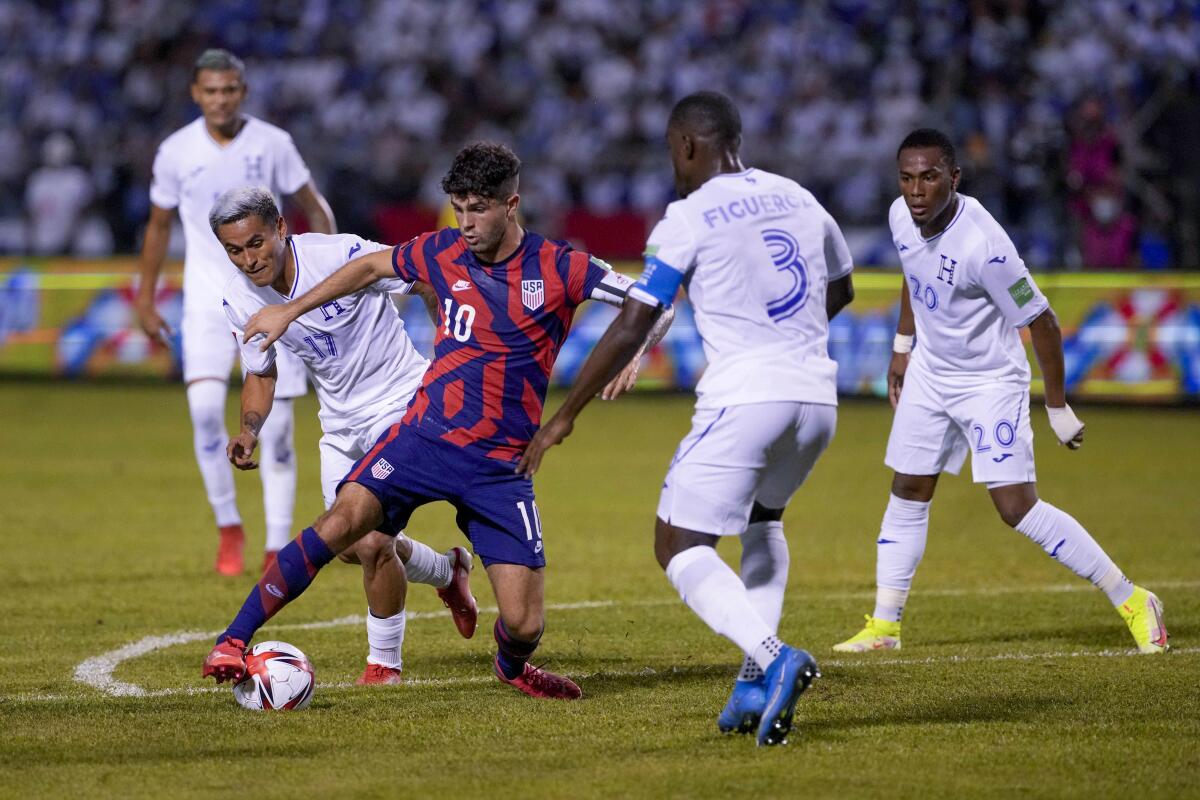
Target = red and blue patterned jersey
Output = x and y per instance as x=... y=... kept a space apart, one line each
x=500 y=328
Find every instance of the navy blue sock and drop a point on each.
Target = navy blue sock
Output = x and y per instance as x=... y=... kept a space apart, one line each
x=284 y=579
x=511 y=654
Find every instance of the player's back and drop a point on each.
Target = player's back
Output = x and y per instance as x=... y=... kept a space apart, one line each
x=355 y=348
x=762 y=252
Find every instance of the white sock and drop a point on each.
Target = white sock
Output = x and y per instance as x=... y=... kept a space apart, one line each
x=764 y=574
x=385 y=635
x=426 y=565
x=1066 y=541
x=898 y=551
x=277 y=467
x=206 y=404
x=711 y=589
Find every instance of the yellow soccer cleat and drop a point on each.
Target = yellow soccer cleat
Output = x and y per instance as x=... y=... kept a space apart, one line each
x=879 y=634
x=1143 y=612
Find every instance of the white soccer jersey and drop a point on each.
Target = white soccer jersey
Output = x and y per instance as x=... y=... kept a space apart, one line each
x=756 y=252
x=970 y=292
x=356 y=349
x=191 y=171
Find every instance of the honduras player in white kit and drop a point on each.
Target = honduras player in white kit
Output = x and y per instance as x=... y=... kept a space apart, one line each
x=765 y=267
x=965 y=389
x=365 y=370
x=219 y=151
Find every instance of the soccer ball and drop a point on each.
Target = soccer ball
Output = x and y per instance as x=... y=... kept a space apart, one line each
x=278 y=678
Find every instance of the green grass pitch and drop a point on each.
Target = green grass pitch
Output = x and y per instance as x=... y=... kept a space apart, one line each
x=1015 y=678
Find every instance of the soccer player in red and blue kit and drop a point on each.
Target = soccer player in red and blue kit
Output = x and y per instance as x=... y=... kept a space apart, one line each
x=507 y=298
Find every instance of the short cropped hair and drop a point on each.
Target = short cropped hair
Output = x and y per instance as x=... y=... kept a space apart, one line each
x=244 y=201
x=930 y=137
x=486 y=169
x=709 y=114
x=218 y=61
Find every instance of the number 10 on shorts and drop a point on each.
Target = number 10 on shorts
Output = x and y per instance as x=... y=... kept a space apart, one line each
x=532 y=520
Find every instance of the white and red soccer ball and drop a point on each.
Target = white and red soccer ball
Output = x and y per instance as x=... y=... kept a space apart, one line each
x=278 y=678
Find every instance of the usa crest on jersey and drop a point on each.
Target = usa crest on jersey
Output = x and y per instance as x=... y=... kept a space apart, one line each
x=533 y=294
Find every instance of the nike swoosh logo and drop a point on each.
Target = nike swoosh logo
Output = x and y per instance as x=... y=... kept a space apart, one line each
x=275 y=590
x=998 y=260
x=213 y=447
x=886 y=541
x=460 y=285
x=353 y=250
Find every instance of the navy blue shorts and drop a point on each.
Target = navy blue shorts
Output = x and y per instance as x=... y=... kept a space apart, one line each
x=496 y=509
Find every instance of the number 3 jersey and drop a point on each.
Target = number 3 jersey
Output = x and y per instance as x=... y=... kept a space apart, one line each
x=970 y=292
x=356 y=349
x=500 y=328
x=755 y=252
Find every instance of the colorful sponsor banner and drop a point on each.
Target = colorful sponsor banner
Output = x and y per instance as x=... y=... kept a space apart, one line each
x=1126 y=336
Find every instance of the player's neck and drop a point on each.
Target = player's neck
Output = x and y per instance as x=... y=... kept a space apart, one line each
x=509 y=244
x=725 y=163
x=287 y=275
x=226 y=133
x=942 y=220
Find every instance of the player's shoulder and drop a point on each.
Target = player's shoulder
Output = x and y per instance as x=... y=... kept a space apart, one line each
x=183 y=138
x=898 y=217
x=982 y=230
x=261 y=129
x=240 y=299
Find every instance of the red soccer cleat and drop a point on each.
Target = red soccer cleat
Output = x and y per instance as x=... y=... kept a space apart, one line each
x=268 y=557
x=379 y=675
x=457 y=596
x=226 y=661
x=537 y=682
x=229 y=552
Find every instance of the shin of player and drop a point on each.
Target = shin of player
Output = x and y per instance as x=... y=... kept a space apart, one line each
x=955 y=395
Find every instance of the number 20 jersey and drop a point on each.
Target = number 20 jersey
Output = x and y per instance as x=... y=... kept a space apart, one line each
x=756 y=252
x=355 y=348
x=970 y=292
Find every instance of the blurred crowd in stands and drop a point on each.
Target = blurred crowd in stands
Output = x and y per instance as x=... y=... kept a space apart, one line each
x=1078 y=122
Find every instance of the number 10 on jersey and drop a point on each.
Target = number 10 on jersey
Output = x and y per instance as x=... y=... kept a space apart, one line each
x=458 y=324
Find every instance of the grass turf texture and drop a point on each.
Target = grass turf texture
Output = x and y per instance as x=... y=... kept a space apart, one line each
x=106 y=538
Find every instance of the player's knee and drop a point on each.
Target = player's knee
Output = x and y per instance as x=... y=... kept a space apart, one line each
x=524 y=627
x=914 y=487
x=376 y=549
x=1013 y=511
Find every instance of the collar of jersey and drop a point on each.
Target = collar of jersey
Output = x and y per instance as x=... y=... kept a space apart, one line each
x=233 y=141
x=504 y=261
x=296 y=277
x=962 y=204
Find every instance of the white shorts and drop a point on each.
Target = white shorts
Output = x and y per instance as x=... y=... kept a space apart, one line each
x=210 y=351
x=739 y=455
x=341 y=448
x=934 y=428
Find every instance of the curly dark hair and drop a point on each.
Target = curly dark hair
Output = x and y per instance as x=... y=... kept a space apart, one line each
x=930 y=137
x=486 y=169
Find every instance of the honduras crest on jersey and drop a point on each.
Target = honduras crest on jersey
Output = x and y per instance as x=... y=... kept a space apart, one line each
x=533 y=294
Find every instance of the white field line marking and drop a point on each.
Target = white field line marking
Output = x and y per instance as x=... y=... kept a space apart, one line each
x=97 y=672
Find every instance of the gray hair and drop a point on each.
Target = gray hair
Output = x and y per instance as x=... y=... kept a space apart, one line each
x=219 y=61
x=244 y=201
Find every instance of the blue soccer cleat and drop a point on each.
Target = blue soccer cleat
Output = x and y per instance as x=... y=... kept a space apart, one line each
x=786 y=679
x=744 y=708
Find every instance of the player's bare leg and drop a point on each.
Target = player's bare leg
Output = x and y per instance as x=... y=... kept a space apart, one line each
x=355 y=513
x=520 y=596
x=447 y=572
x=206 y=407
x=386 y=587
x=898 y=552
x=715 y=592
x=1066 y=541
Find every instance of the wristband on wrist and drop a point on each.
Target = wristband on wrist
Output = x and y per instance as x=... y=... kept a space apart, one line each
x=902 y=343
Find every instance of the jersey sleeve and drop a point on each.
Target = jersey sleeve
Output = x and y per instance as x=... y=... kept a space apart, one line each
x=837 y=253
x=164 y=183
x=358 y=247
x=669 y=257
x=254 y=360
x=581 y=274
x=408 y=260
x=1006 y=279
x=291 y=172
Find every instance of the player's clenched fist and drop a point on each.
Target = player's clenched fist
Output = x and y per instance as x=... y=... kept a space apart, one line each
x=895 y=376
x=1067 y=427
x=241 y=450
x=268 y=323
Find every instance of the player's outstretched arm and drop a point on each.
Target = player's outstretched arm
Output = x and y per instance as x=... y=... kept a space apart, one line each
x=906 y=329
x=258 y=395
x=1047 y=347
x=838 y=295
x=271 y=321
x=154 y=253
x=614 y=350
x=626 y=379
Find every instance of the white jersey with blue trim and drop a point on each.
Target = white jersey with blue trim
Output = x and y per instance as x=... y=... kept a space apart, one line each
x=358 y=354
x=191 y=170
x=970 y=292
x=756 y=252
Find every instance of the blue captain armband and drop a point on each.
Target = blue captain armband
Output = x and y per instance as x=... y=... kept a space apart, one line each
x=658 y=284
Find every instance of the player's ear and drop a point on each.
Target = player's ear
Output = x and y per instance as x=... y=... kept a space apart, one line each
x=511 y=204
x=281 y=227
x=954 y=176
